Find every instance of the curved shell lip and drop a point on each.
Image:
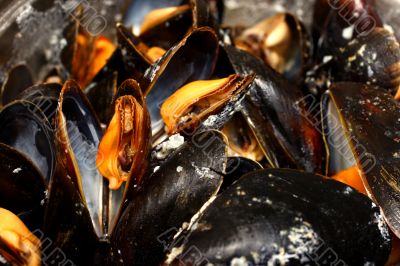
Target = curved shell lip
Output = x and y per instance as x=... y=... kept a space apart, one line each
x=15 y=151
x=123 y=32
x=327 y=98
x=54 y=89
x=65 y=154
x=35 y=113
x=164 y=61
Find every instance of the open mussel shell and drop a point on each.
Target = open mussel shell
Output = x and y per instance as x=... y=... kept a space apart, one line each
x=166 y=33
x=285 y=217
x=282 y=42
x=45 y=97
x=135 y=62
x=194 y=58
x=203 y=105
x=125 y=148
x=370 y=118
x=28 y=130
x=276 y=112
x=78 y=136
x=160 y=22
x=22 y=187
x=372 y=59
x=127 y=61
x=241 y=139
x=177 y=190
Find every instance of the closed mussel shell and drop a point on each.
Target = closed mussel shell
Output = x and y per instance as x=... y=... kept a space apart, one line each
x=285 y=217
x=177 y=190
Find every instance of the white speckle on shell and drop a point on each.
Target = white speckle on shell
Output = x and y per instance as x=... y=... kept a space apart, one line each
x=156 y=169
x=179 y=169
x=165 y=148
x=17 y=170
x=347 y=33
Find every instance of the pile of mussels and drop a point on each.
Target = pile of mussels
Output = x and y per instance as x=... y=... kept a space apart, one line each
x=188 y=142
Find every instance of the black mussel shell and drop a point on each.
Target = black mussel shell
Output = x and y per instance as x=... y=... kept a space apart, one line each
x=22 y=187
x=194 y=58
x=45 y=97
x=276 y=112
x=68 y=222
x=138 y=10
x=177 y=190
x=170 y=32
x=372 y=59
x=78 y=136
x=285 y=217
x=370 y=118
x=127 y=61
x=100 y=95
x=27 y=129
x=135 y=62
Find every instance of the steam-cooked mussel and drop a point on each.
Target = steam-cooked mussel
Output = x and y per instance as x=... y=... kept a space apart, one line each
x=22 y=187
x=18 y=246
x=285 y=217
x=124 y=149
x=275 y=111
x=280 y=41
x=27 y=129
x=197 y=101
x=162 y=24
x=188 y=179
x=194 y=58
x=362 y=129
x=78 y=188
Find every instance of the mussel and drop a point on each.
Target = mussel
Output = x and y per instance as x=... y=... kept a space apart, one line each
x=123 y=150
x=281 y=42
x=276 y=112
x=196 y=101
x=362 y=128
x=187 y=179
x=284 y=217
